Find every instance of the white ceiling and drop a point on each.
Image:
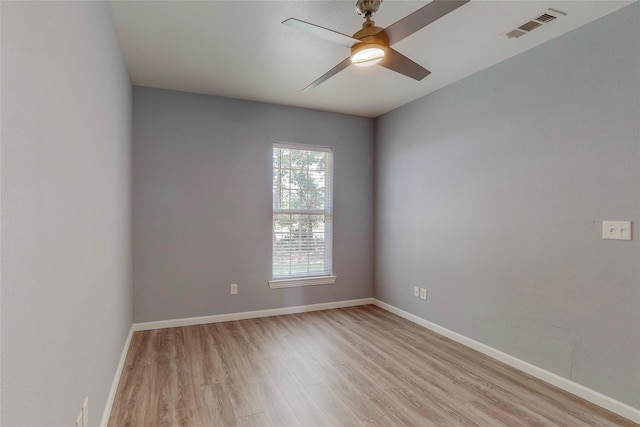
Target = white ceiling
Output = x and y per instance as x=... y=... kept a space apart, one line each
x=240 y=49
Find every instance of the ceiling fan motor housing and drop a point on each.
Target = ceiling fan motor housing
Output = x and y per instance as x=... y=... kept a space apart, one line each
x=371 y=39
x=371 y=35
x=367 y=7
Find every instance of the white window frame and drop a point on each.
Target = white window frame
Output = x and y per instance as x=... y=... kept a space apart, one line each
x=310 y=280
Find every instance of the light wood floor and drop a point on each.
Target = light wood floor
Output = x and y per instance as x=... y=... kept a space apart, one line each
x=359 y=366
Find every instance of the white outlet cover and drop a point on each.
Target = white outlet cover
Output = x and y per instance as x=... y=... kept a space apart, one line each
x=616 y=230
x=416 y=291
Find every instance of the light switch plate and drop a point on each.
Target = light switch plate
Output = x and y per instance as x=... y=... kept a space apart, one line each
x=423 y=293
x=616 y=230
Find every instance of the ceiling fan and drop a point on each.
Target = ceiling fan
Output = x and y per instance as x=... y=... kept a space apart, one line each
x=372 y=45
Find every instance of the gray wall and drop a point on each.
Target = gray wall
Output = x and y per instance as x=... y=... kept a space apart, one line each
x=491 y=193
x=66 y=291
x=202 y=203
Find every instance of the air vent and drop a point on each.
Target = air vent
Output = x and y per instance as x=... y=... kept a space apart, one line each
x=515 y=34
x=533 y=24
x=545 y=17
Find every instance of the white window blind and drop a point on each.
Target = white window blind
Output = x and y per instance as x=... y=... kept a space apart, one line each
x=302 y=211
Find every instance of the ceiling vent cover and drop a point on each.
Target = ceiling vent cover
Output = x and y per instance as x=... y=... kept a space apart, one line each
x=529 y=26
x=534 y=23
x=545 y=17
x=515 y=34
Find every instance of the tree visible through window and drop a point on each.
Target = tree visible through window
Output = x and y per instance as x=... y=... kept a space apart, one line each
x=302 y=211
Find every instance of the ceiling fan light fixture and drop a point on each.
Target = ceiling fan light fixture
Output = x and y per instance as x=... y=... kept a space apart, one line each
x=366 y=54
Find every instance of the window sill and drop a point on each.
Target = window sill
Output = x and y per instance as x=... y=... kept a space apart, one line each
x=302 y=281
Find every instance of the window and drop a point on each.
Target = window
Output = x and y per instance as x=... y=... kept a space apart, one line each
x=302 y=216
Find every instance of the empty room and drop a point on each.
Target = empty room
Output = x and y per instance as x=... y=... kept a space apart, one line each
x=319 y=213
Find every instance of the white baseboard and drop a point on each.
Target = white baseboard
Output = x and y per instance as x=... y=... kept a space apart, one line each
x=592 y=396
x=116 y=380
x=173 y=323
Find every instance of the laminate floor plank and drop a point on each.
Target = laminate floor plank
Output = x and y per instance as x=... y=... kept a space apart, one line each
x=220 y=407
x=364 y=402
x=256 y=420
x=367 y=386
x=386 y=421
x=213 y=367
x=357 y=366
x=244 y=396
x=234 y=352
x=276 y=408
x=264 y=344
x=335 y=409
x=303 y=405
x=423 y=378
x=306 y=370
x=418 y=410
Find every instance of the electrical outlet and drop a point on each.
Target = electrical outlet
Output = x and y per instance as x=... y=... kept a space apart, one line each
x=234 y=289
x=416 y=291
x=85 y=412
x=423 y=293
